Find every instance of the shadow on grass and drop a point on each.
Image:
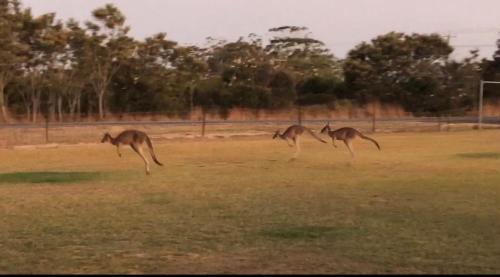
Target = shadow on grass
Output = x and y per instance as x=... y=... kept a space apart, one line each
x=480 y=155
x=48 y=177
x=303 y=232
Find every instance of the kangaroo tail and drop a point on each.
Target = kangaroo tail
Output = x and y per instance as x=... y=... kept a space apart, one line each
x=368 y=138
x=151 y=151
x=314 y=135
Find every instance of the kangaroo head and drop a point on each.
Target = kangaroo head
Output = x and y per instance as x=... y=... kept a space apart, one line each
x=326 y=128
x=106 y=138
x=276 y=134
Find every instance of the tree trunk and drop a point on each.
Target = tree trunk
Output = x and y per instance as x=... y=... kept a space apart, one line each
x=72 y=108
x=78 y=108
x=191 y=101
x=36 y=105
x=35 y=96
x=28 y=111
x=59 y=108
x=47 y=128
x=52 y=107
x=101 y=104
x=90 y=108
x=299 y=111
x=3 y=113
x=203 y=122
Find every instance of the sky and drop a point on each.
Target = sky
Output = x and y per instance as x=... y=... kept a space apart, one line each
x=340 y=24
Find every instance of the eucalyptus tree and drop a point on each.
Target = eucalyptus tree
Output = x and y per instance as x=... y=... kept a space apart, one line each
x=12 y=49
x=245 y=69
x=298 y=57
x=46 y=42
x=398 y=68
x=72 y=74
x=145 y=80
x=108 y=46
x=191 y=67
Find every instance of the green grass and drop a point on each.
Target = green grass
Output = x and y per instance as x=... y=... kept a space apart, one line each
x=240 y=206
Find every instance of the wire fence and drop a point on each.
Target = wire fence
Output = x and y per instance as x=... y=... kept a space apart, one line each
x=53 y=133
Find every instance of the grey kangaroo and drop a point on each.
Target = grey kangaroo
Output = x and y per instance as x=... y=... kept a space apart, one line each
x=135 y=139
x=293 y=132
x=346 y=134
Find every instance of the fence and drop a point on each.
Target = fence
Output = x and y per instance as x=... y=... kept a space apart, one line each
x=373 y=117
x=91 y=132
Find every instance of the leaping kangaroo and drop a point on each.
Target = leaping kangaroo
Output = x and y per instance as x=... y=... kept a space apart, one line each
x=293 y=132
x=135 y=139
x=346 y=134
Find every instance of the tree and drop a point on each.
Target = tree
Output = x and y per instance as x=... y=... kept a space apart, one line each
x=191 y=67
x=398 y=68
x=108 y=46
x=246 y=71
x=12 y=50
x=46 y=43
x=69 y=78
x=146 y=81
x=319 y=90
x=297 y=57
x=491 y=72
x=210 y=95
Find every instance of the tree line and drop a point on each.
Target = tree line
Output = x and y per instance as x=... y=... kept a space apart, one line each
x=68 y=70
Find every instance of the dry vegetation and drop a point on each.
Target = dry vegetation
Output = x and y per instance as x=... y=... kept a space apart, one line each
x=240 y=122
x=427 y=203
x=26 y=137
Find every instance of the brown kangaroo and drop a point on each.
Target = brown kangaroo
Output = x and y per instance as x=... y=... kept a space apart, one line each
x=135 y=139
x=293 y=132
x=346 y=134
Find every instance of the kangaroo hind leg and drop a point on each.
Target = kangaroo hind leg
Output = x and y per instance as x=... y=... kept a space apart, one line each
x=138 y=150
x=333 y=142
x=296 y=141
x=118 y=150
x=348 y=143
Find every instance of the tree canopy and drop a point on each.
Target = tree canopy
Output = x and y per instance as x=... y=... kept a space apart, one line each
x=67 y=70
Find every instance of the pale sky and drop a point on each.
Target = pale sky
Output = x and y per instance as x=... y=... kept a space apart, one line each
x=340 y=24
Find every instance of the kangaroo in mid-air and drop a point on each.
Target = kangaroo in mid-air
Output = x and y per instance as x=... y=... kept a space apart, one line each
x=346 y=134
x=293 y=132
x=135 y=139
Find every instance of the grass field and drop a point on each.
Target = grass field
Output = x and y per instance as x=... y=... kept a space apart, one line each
x=426 y=203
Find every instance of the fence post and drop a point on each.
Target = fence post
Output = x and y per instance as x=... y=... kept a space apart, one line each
x=203 y=123
x=480 y=111
x=299 y=109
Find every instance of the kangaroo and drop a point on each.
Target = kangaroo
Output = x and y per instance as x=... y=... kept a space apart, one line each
x=135 y=139
x=346 y=134
x=293 y=132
